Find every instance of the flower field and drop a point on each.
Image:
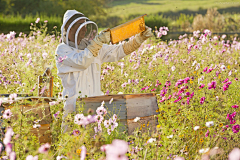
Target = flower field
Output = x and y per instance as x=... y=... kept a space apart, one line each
x=196 y=80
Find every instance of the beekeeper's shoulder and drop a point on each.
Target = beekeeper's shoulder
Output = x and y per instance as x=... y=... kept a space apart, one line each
x=62 y=48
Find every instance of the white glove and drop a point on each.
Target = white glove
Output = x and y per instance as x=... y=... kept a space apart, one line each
x=96 y=44
x=136 y=42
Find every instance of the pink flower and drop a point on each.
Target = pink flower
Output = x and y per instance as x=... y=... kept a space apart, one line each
x=76 y=132
x=7 y=114
x=186 y=80
x=56 y=114
x=99 y=118
x=117 y=150
x=113 y=124
x=83 y=152
x=207 y=133
x=106 y=123
x=234 y=154
x=37 y=20
x=60 y=59
x=100 y=110
x=43 y=89
x=235 y=128
x=212 y=84
x=30 y=157
x=44 y=148
x=163 y=99
x=179 y=158
x=8 y=136
x=114 y=117
x=109 y=131
x=77 y=118
x=12 y=156
x=8 y=148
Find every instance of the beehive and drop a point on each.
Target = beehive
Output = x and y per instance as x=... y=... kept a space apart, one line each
x=127 y=107
x=41 y=110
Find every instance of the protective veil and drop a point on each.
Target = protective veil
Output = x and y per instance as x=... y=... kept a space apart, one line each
x=78 y=69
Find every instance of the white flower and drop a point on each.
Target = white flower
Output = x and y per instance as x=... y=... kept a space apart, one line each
x=230 y=73
x=173 y=68
x=209 y=124
x=102 y=104
x=196 y=128
x=194 y=63
x=151 y=140
x=110 y=100
x=120 y=92
x=197 y=66
x=136 y=119
x=223 y=67
x=171 y=136
x=204 y=150
x=36 y=125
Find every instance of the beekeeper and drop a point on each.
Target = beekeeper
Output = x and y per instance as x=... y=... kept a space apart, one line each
x=81 y=53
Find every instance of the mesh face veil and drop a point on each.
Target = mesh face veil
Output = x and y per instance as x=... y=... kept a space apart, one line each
x=84 y=30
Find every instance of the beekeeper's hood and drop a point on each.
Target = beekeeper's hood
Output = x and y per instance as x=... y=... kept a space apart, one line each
x=86 y=31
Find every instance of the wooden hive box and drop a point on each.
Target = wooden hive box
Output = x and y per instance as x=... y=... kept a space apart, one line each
x=41 y=110
x=127 y=107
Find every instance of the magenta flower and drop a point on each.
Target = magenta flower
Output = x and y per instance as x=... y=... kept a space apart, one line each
x=225 y=80
x=44 y=148
x=235 y=106
x=212 y=84
x=207 y=133
x=163 y=92
x=202 y=100
x=235 y=128
x=7 y=114
x=209 y=70
x=186 y=80
x=201 y=86
x=179 y=98
x=205 y=69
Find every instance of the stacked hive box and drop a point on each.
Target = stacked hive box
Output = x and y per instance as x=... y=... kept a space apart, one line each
x=127 y=107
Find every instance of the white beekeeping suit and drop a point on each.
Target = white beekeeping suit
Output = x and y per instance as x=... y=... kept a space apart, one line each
x=79 y=61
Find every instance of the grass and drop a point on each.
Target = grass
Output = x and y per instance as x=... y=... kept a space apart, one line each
x=125 y=8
